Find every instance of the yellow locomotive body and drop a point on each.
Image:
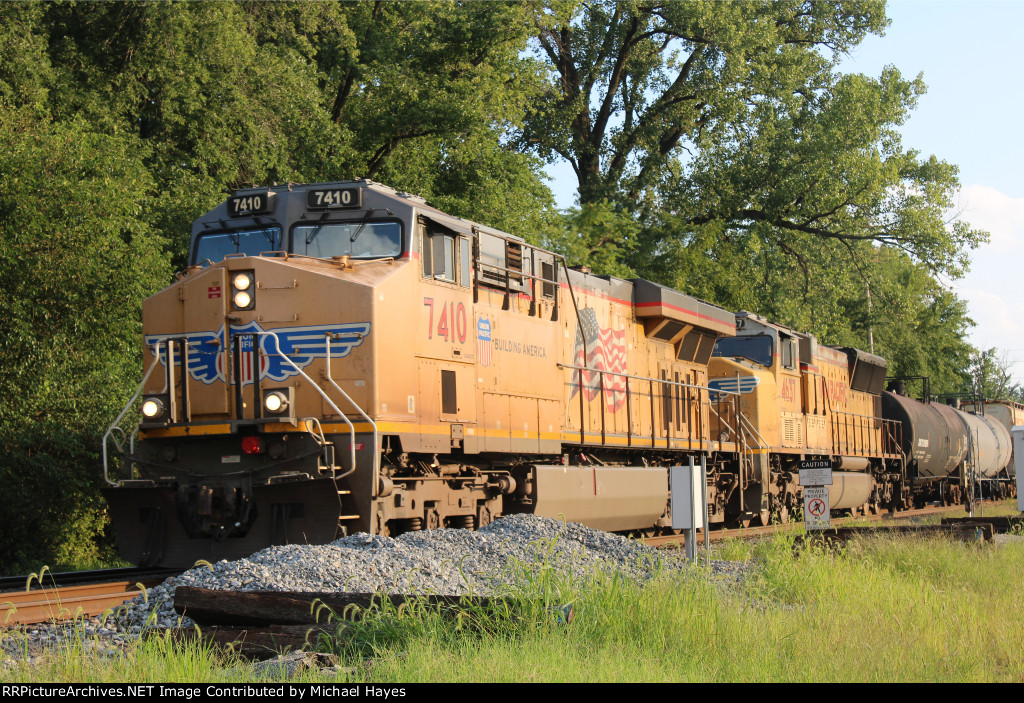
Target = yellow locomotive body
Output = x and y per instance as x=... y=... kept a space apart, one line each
x=344 y=357
x=800 y=400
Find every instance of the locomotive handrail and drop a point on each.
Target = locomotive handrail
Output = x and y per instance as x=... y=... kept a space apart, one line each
x=352 y=429
x=645 y=378
x=652 y=382
x=579 y=329
x=503 y=269
x=876 y=422
x=376 y=451
x=762 y=443
x=115 y=426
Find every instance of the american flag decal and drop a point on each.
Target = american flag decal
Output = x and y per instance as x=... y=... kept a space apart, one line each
x=605 y=351
x=483 y=341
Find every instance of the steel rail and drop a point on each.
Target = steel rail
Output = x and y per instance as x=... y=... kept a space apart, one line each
x=669 y=541
x=63 y=603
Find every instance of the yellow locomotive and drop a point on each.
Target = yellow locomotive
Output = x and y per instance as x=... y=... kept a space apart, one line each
x=801 y=400
x=344 y=357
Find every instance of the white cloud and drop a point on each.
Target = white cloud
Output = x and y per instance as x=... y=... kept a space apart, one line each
x=993 y=288
x=987 y=208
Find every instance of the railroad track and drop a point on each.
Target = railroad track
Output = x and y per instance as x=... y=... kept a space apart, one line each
x=66 y=596
x=751 y=532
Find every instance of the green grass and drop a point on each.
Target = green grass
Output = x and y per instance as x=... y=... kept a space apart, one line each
x=881 y=609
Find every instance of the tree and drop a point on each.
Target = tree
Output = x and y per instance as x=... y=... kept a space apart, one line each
x=421 y=96
x=730 y=120
x=77 y=257
x=920 y=326
x=990 y=376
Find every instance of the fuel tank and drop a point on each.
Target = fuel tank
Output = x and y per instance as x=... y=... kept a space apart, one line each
x=934 y=435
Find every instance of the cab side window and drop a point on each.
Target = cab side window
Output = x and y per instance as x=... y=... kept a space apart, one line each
x=789 y=357
x=445 y=256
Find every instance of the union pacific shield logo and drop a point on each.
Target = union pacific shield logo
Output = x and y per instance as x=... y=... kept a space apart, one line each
x=483 y=341
x=300 y=345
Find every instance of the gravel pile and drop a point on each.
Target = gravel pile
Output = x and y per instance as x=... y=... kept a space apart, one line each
x=449 y=562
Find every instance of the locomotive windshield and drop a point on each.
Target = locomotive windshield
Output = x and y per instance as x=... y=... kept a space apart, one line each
x=363 y=240
x=757 y=348
x=215 y=246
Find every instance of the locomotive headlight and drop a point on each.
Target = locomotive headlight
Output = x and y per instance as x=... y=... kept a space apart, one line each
x=152 y=408
x=276 y=402
x=243 y=287
x=242 y=281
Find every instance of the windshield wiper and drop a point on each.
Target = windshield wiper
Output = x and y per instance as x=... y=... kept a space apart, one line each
x=366 y=218
x=316 y=230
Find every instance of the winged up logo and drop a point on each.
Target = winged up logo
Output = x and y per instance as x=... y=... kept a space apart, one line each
x=301 y=345
x=734 y=384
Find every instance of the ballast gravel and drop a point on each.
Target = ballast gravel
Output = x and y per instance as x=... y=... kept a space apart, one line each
x=446 y=561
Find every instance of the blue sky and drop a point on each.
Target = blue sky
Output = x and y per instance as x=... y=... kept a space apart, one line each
x=971 y=57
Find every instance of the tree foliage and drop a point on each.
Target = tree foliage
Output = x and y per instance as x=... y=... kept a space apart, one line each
x=77 y=256
x=717 y=149
x=222 y=95
x=990 y=375
x=754 y=173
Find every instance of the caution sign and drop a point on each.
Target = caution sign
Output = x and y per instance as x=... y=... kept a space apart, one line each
x=816 y=512
x=815 y=472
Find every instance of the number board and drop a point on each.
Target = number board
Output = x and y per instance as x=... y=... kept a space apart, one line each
x=255 y=204
x=328 y=198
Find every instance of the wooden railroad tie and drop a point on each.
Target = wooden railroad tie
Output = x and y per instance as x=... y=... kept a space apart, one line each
x=260 y=623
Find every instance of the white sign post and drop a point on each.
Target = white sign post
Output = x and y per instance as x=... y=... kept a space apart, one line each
x=816 y=513
x=816 y=477
x=687 y=487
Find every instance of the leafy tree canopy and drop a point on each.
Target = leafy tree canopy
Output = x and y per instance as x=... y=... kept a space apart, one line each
x=990 y=375
x=732 y=117
x=77 y=256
